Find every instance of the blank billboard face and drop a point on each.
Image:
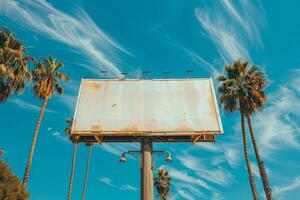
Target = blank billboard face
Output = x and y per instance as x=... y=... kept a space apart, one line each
x=147 y=108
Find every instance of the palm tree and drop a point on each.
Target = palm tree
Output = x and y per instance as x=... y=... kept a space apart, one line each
x=75 y=141
x=87 y=169
x=246 y=85
x=46 y=78
x=13 y=65
x=256 y=102
x=162 y=184
x=234 y=97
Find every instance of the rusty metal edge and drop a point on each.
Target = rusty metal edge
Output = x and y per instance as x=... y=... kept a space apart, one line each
x=144 y=133
x=77 y=103
x=156 y=79
x=217 y=112
x=118 y=133
x=132 y=139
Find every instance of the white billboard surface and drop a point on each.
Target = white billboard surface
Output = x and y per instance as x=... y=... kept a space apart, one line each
x=154 y=107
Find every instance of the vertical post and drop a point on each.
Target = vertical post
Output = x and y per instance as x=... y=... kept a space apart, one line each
x=75 y=140
x=87 y=170
x=146 y=170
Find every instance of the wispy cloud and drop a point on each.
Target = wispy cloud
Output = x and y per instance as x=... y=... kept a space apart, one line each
x=228 y=24
x=185 y=195
x=78 y=31
x=215 y=169
x=191 y=189
x=184 y=177
x=279 y=191
x=277 y=126
x=126 y=187
x=243 y=13
x=217 y=196
x=224 y=152
x=202 y=62
x=233 y=155
x=255 y=170
x=58 y=135
x=69 y=101
x=29 y=106
x=118 y=149
x=106 y=180
x=212 y=174
x=191 y=186
x=211 y=147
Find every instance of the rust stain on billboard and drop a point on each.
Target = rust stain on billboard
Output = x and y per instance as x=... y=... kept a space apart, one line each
x=132 y=128
x=94 y=85
x=96 y=127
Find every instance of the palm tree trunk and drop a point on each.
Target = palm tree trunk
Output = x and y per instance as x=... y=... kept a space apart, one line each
x=29 y=162
x=87 y=170
x=72 y=171
x=251 y=178
x=261 y=167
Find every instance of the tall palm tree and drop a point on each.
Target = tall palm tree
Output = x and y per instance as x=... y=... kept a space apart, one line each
x=75 y=141
x=162 y=184
x=87 y=169
x=246 y=85
x=256 y=102
x=13 y=65
x=46 y=78
x=251 y=178
x=234 y=97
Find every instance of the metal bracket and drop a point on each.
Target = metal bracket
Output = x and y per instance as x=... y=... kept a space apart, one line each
x=75 y=138
x=99 y=138
x=196 y=138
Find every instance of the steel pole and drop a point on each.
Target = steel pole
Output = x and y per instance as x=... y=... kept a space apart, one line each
x=146 y=170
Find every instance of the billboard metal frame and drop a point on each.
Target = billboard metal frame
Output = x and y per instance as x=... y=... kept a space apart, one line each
x=137 y=136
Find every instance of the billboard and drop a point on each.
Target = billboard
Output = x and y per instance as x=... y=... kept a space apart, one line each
x=154 y=107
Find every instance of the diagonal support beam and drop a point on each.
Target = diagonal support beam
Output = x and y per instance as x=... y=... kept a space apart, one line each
x=195 y=138
x=98 y=138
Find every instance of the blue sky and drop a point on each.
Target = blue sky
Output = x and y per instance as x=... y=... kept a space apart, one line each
x=166 y=35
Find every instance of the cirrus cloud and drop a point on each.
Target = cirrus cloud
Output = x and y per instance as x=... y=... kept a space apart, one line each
x=78 y=31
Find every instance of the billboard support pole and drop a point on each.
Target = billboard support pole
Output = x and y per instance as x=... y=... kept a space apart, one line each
x=146 y=170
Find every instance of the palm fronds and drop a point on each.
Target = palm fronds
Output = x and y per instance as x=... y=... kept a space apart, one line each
x=14 y=70
x=162 y=184
x=242 y=85
x=47 y=77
